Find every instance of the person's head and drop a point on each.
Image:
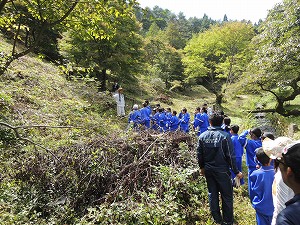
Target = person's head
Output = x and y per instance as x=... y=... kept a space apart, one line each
x=216 y=119
x=174 y=113
x=274 y=148
x=289 y=164
x=234 y=129
x=120 y=90
x=267 y=135
x=147 y=102
x=197 y=110
x=227 y=121
x=160 y=110
x=255 y=133
x=135 y=107
x=203 y=110
x=168 y=109
x=262 y=157
x=184 y=110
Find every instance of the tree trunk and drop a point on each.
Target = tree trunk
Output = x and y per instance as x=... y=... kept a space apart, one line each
x=2 y=4
x=219 y=99
x=101 y=77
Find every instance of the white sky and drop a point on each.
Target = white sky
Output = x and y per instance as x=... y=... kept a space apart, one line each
x=216 y=9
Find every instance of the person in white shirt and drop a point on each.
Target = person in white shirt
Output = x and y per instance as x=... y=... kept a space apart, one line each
x=120 y=99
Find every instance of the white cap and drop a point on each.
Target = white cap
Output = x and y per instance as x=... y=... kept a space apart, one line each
x=135 y=106
x=274 y=148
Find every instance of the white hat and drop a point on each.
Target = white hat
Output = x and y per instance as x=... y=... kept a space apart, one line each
x=274 y=148
x=135 y=106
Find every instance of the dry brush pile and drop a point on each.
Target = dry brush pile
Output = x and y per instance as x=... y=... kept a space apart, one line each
x=107 y=169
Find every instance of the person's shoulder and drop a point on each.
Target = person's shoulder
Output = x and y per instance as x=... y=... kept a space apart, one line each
x=289 y=215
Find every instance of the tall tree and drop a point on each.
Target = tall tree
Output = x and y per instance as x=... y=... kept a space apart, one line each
x=217 y=56
x=104 y=38
x=275 y=67
x=46 y=15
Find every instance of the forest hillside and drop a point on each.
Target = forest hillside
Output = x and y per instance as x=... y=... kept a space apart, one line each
x=67 y=158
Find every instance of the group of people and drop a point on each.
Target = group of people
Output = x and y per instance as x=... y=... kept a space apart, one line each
x=164 y=120
x=160 y=119
x=273 y=171
x=273 y=164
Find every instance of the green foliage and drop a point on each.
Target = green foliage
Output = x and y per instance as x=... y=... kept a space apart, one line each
x=33 y=23
x=275 y=64
x=218 y=55
x=104 y=37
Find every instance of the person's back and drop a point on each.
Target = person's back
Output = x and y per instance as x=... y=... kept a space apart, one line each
x=204 y=121
x=145 y=115
x=239 y=151
x=184 y=121
x=162 y=119
x=197 y=120
x=174 y=122
x=134 y=116
x=260 y=182
x=215 y=156
x=250 y=146
x=289 y=165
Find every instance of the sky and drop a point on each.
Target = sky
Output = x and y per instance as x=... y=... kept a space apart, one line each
x=216 y=9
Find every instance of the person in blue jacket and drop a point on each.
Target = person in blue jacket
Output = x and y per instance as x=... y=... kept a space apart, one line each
x=162 y=120
x=174 y=122
x=204 y=120
x=145 y=115
x=289 y=165
x=250 y=146
x=215 y=156
x=184 y=121
x=197 y=120
x=238 y=149
x=261 y=181
x=134 y=118
x=155 y=119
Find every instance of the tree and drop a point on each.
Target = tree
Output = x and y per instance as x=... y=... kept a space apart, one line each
x=104 y=38
x=46 y=15
x=164 y=59
x=275 y=67
x=217 y=56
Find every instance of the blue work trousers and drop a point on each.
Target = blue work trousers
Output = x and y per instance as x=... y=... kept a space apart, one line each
x=220 y=182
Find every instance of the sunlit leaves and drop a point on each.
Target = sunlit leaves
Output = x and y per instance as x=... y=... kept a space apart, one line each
x=276 y=62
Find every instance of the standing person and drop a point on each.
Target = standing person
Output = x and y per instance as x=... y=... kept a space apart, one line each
x=204 y=120
x=120 y=99
x=168 y=117
x=261 y=181
x=226 y=124
x=184 y=121
x=134 y=118
x=215 y=156
x=162 y=120
x=155 y=119
x=197 y=120
x=174 y=122
x=238 y=149
x=250 y=145
x=289 y=165
x=280 y=191
x=145 y=115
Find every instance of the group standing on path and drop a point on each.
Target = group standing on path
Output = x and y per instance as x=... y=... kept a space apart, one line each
x=273 y=164
x=274 y=193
